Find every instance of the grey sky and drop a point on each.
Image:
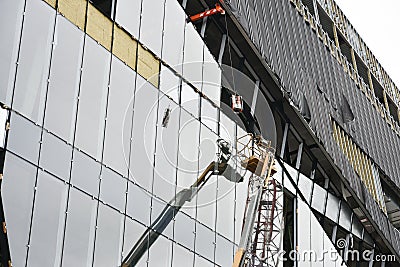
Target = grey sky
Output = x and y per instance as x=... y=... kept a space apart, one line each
x=378 y=24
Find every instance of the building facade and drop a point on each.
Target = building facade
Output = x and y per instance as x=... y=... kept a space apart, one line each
x=113 y=108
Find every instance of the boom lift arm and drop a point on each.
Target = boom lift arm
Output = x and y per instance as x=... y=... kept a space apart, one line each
x=168 y=213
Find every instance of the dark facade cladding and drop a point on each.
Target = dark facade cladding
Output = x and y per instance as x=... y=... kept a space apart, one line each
x=307 y=68
x=113 y=109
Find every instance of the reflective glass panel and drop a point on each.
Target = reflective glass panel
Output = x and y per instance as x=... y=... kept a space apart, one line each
x=64 y=79
x=211 y=77
x=182 y=256
x=225 y=207
x=133 y=231
x=17 y=194
x=119 y=117
x=160 y=254
x=151 y=25
x=138 y=206
x=80 y=230
x=184 y=230
x=48 y=221
x=24 y=138
x=223 y=252
x=190 y=100
x=174 y=28
x=169 y=83
x=205 y=240
x=209 y=115
x=34 y=60
x=128 y=15
x=11 y=22
x=241 y=198
x=112 y=189
x=188 y=156
x=305 y=186
x=345 y=216
x=157 y=208
x=202 y=262
x=304 y=226
x=332 y=207
x=317 y=241
x=193 y=55
x=85 y=173
x=357 y=228
x=92 y=98
x=55 y=156
x=109 y=233
x=206 y=198
x=166 y=149
x=319 y=198
x=144 y=133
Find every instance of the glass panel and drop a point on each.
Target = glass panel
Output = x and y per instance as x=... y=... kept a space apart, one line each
x=64 y=79
x=48 y=221
x=144 y=126
x=319 y=198
x=305 y=186
x=174 y=28
x=224 y=252
x=209 y=115
x=119 y=117
x=184 y=231
x=109 y=233
x=193 y=55
x=133 y=231
x=288 y=182
x=201 y=262
x=206 y=198
x=169 y=83
x=329 y=261
x=128 y=15
x=92 y=98
x=85 y=173
x=357 y=228
x=160 y=254
x=182 y=256
x=345 y=216
x=317 y=242
x=151 y=25
x=188 y=156
x=113 y=188
x=227 y=129
x=80 y=229
x=167 y=150
x=55 y=156
x=17 y=194
x=24 y=138
x=34 y=60
x=304 y=226
x=138 y=206
x=190 y=100
x=205 y=241
x=226 y=207
x=211 y=77
x=332 y=207
x=156 y=210
x=10 y=25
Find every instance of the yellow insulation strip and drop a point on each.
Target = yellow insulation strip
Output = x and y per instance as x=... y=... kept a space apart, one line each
x=148 y=66
x=124 y=47
x=74 y=11
x=99 y=27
